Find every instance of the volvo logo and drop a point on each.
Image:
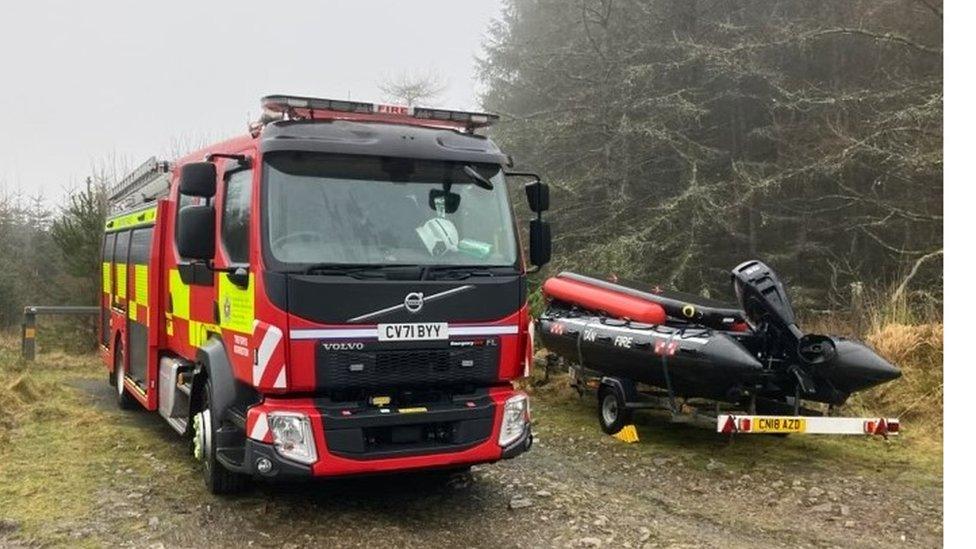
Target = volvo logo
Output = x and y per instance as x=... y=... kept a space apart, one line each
x=414 y=302
x=343 y=346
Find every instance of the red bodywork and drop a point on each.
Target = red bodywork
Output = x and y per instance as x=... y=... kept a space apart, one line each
x=287 y=377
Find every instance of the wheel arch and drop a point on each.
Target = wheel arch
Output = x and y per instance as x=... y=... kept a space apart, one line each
x=626 y=387
x=213 y=363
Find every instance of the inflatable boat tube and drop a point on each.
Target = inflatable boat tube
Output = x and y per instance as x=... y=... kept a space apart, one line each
x=605 y=300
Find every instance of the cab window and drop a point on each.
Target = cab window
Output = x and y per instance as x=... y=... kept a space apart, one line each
x=236 y=216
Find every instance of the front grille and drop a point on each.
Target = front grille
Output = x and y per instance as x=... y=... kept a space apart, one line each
x=368 y=433
x=346 y=369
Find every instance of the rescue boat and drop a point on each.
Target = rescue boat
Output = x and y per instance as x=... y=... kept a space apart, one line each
x=692 y=347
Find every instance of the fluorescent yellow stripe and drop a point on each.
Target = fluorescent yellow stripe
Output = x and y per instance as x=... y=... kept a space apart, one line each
x=120 y=279
x=199 y=332
x=106 y=278
x=133 y=311
x=236 y=304
x=145 y=216
x=180 y=294
x=142 y=285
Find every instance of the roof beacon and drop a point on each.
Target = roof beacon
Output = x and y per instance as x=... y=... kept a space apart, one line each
x=289 y=107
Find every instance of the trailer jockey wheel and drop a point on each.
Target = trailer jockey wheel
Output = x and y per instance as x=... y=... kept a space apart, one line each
x=123 y=399
x=611 y=409
x=218 y=478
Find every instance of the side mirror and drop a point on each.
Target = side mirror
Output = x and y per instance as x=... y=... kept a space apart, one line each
x=540 y=235
x=198 y=179
x=538 y=194
x=195 y=232
x=540 y=242
x=446 y=199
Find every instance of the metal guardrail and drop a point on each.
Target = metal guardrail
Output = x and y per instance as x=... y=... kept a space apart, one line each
x=28 y=330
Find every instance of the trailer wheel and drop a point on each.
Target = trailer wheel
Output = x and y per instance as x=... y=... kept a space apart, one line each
x=123 y=399
x=611 y=410
x=218 y=478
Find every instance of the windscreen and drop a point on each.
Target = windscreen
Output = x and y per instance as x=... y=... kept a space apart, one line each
x=362 y=210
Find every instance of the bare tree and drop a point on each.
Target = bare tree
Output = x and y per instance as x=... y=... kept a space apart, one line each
x=413 y=88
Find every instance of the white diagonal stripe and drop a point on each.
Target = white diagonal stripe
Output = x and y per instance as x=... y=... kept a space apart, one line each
x=260 y=427
x=265 y=350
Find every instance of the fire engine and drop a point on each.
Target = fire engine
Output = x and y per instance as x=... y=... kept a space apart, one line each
x=339 y=291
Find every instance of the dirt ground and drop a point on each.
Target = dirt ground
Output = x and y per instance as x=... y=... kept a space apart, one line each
x=82 y=473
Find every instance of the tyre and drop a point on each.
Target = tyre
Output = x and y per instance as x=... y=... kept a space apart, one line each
x=219 y=479
x=123 y=398
x=612 y=411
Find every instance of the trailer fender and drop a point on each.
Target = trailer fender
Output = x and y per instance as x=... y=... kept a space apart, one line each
x=627 y=387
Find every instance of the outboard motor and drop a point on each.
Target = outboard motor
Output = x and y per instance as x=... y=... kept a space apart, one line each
x=829 y=367
x=763 y=298
x=764 y=301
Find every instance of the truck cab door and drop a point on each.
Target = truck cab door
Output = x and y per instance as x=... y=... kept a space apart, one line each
x=235 y=284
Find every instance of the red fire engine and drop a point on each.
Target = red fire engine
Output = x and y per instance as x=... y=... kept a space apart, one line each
x=341 y=291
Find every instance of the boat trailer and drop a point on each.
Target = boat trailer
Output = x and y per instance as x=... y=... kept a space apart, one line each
x=618 y=399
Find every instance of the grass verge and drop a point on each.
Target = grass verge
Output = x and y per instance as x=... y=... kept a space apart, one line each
x=60 y=450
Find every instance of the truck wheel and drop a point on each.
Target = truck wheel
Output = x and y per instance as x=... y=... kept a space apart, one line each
x=611 y=410
x=123 y=399
x=218 y=478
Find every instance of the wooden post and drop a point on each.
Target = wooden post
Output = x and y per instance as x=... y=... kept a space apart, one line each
x=29 y=333
x=28 y=330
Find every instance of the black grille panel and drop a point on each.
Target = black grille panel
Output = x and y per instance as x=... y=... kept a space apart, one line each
x=346 y=369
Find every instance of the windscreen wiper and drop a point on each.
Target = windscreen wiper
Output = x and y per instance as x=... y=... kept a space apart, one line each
x=458 y=272
x=365 y=270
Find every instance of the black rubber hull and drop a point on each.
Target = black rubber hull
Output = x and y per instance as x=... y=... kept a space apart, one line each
x=855 y=368
x=700 y=362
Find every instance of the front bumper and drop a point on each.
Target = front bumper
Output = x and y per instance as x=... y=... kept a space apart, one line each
x=367 y=440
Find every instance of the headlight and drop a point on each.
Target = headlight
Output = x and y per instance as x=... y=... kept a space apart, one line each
x=293 y=437
x=514 y=420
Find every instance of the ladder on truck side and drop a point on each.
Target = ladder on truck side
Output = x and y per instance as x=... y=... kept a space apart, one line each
x=149 y=181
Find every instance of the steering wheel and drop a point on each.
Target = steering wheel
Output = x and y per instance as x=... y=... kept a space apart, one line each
x=300 y=235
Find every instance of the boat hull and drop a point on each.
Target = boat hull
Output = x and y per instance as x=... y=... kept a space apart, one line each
x=695 y=362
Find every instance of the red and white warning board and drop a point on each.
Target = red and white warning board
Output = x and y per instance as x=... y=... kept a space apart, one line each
x=814 y=425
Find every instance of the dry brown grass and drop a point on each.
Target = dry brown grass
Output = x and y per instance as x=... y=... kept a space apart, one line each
x=25 y=388
x=906 y=328
x=917 y=350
